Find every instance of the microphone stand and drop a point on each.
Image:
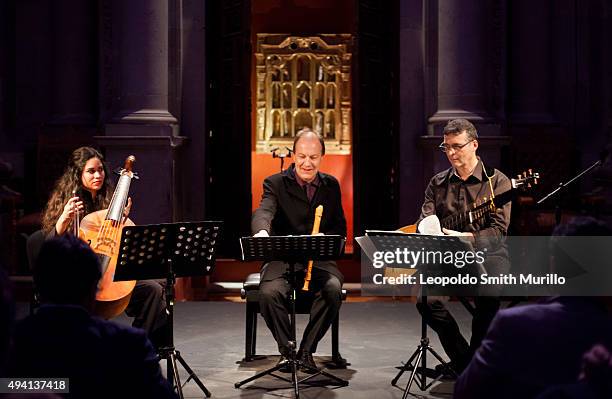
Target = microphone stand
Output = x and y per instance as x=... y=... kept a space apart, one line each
x=281 y=155
x=561 y=190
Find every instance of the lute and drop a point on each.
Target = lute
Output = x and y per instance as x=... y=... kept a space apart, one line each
x=479 y=210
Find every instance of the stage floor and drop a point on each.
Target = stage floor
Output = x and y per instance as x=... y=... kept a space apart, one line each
x=375 y=337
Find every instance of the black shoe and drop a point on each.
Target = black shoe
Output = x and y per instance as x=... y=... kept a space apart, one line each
x=307 y=363
x=286 y=367
x=450 y=370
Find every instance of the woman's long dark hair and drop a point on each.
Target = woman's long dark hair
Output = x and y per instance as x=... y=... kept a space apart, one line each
x=71 y=181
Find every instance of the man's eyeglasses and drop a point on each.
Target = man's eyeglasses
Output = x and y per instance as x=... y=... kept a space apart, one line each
x=455 y=147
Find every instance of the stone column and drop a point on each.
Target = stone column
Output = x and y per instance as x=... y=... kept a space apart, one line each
x=142 y=32
x=461 y=61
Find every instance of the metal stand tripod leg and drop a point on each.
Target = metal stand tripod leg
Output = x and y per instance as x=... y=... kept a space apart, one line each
x=419 y=373
x=170 y=353
x=269 y=371
x=173 y=375
x=406 y=366
x=192 y=375
x=315 y=372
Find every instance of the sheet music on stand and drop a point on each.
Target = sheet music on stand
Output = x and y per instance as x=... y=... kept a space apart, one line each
x=414 y=242
x=292 y=248
x=431 y=250
x=146 y=249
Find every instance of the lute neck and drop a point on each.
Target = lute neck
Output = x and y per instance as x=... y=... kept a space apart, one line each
x=459 y=221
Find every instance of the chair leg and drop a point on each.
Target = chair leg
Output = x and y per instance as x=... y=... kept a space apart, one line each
x=335 y=327
x=337 y=359
x=254 y=336
x=250 y=331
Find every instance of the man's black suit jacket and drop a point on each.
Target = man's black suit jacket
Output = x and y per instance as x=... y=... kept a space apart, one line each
x=284 y=209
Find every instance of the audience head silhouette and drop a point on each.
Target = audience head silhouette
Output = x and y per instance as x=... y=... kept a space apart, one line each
x=583 y=226
x=63 y=339
x=67 y=272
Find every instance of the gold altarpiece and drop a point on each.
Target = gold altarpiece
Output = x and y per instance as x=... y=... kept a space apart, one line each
x=303 y=82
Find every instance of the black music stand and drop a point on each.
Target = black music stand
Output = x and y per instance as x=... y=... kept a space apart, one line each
x=292 y=250
x=167 y=251
x=389 y=241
